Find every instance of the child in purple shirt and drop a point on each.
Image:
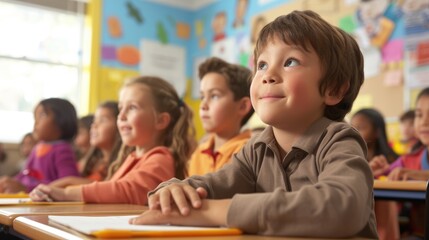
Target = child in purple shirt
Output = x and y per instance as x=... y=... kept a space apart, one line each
x=53 y=157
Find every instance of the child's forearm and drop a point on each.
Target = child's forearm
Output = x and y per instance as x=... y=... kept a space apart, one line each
x=211 y=213
x=214 y=212
x=73 y=193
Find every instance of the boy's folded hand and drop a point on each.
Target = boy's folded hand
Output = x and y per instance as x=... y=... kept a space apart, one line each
x=178 y=195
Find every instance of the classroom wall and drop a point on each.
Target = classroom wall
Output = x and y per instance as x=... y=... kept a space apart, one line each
x=143 y=37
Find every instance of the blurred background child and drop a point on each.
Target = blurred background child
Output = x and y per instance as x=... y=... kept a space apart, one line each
x=105 y=144
x=157 y=127
x=408 y=136
x=55 y=126
x=372 y=127
x=3 y=161
x=26 y=145
x=81 y=141
x=414 y=165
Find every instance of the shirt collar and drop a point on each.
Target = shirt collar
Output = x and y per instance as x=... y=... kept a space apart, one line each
x=207 y=147
x=307 y=142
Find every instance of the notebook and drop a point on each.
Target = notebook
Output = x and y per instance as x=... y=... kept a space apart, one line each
x=118 y=227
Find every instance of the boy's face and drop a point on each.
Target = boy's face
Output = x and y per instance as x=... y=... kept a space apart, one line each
x=285 y=88
x=219 y=112
x=421 y=121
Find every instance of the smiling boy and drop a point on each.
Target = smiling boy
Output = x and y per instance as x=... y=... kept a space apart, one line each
x=306 y=174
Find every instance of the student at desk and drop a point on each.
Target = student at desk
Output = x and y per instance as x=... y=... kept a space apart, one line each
x=55 y=125
x=306 y=174
x=155 y=122
x=415 y=165
x=371 y=125
x=105 y=143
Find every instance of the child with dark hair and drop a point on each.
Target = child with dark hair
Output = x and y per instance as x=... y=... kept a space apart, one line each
x=371 y=125
x=53 y=157
x=3 y=154
x=81 y=141
x=414 y=165
x=105 y=144
x=408 y=138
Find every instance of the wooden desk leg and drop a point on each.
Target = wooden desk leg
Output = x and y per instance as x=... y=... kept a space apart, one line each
x=427 y=212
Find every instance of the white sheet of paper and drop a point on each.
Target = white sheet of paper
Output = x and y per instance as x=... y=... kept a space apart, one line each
x=11 y=201
x=88 y=225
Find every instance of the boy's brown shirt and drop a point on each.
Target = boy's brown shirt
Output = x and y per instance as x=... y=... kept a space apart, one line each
x=322 y=188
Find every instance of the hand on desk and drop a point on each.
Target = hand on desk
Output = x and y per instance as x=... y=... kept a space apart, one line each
x=10 y=185
x=46 y=193
x=181 y=194
x=181 y=204
x=408 y=174
x=210 y=213
x=379 y=165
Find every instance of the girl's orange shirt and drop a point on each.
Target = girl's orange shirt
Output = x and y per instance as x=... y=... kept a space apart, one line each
x=134 y=179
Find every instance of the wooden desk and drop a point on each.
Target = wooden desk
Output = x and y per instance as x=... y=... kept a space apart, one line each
x=405 y=191
x=8 y=214
x=400 y=190
x=38 y=227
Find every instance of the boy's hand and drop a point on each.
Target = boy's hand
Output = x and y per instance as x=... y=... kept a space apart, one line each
x=408 y=174
x=176 y=195
x=210 y=213
x=44 y=193
x=378 y=165
x=10 y=185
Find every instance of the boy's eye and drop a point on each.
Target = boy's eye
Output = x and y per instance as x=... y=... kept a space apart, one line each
x=262 y=66
x=291 y=62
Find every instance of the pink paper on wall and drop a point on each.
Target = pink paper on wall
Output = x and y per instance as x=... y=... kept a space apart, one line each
x=392 y=51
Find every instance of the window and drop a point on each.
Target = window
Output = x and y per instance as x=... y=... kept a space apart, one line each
x=40 y=57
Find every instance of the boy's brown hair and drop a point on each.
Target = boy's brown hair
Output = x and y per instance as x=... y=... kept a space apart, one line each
x=237 y=77
x=339 y=54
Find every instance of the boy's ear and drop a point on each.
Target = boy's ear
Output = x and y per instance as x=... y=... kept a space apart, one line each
x=245 y=105
x=162 y=121
x=332 y=98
